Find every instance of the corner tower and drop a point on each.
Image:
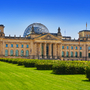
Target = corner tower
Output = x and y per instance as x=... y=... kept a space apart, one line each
x=2 y=31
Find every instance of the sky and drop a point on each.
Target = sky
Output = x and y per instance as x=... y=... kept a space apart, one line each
x=70 y=15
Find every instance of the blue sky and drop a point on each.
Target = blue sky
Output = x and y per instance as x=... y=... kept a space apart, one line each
x=70 y=15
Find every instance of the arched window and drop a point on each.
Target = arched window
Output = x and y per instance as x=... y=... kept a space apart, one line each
x=62 y=53
x=22 y=53
x=75 y=54
x=11 y=52
x=27 y=53
x=16 y=53
x=6 y=52
x=67 y=54
x=71 y=54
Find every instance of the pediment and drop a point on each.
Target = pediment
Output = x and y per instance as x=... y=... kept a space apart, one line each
x=48 y=37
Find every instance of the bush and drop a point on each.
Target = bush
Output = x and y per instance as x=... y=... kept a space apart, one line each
x=20 y=61
x=88 y=72
x=68 y=67
x=44 y=65
x=30 y=63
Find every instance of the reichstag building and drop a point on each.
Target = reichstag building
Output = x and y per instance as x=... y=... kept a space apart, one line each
x=38 y=43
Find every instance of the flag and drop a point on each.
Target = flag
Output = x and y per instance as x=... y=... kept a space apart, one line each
x=86 y=25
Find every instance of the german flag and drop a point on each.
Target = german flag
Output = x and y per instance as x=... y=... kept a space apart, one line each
x=86 y=25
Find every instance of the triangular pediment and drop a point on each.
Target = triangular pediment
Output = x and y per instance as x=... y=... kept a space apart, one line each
x=48 y=37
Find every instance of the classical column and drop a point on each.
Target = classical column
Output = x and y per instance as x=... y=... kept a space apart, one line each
x=35 y=51
x=58 y=50
x=61 y=51
x=69 y=51
x=55 y=51
x=31 y=50
x=50 y=51
x=40 y=49
x=87 y=52
x=78 y=51
x=9 y=49
x=45 y=50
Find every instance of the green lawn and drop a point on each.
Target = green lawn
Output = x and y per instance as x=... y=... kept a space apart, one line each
x=13 y=77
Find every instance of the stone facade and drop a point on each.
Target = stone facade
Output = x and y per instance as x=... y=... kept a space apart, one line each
x=46 y=46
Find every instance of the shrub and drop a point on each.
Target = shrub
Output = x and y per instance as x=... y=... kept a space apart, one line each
x=20 y=61
x=68 y=67
x=44 y=65
x=30 y=63
x=88 y=72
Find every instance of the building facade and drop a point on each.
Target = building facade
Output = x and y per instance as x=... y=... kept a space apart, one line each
x=37 y=42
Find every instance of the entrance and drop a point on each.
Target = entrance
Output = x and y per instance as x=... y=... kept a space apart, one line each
x=89 y=55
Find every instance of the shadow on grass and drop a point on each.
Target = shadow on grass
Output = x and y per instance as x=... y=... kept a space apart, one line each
x=85 y=80
x=65 y=74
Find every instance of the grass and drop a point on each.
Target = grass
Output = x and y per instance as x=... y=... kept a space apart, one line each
x=13 y=77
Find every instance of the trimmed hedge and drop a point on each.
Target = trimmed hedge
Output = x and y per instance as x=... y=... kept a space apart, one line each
x=68 y=67
x=30 y=63
x=58 y=67
x=88 y=71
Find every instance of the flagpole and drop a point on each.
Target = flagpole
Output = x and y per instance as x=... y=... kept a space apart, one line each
x=86 y=25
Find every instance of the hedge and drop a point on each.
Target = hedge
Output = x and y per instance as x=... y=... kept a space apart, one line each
x=68 y=67
x=88 y=71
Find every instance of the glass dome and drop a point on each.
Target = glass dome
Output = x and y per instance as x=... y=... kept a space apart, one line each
x=38 y=28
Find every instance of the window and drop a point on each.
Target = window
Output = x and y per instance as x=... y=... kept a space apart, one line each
x=27 y=53
x=11 y=45
x=16 y=53
x=6 y=52
x=75 y=54
x=11 y=52
x=80 y=54
x=67 y=47
x=16 y=45
x=71 y=54
x=27 y=46
x=62 y=53
x=6 y=45
x=71 y=47
x=80 y=48
x=89 y=48
x=76 y=47
x=67 y=54
x=22 y=53
x=22 y=46
x=86 y=35
x=62 y=47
